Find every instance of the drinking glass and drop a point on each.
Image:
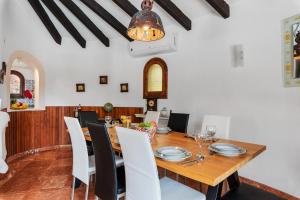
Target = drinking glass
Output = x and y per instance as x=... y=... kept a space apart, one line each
x=211 y=131
x=201 y=139
x=107 y=119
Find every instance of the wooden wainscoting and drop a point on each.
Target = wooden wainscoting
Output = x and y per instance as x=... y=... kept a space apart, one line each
x=30 y=130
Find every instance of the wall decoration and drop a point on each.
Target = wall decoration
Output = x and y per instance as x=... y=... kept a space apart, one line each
x=2 y=72
x=291 y=51
x=124 y=87
x=151 y=104
x=103 y=80
x=80 y=87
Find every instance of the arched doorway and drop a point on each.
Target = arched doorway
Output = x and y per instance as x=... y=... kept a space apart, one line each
x=30 y=63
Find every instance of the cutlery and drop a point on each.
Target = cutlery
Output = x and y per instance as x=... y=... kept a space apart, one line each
x=199 y=157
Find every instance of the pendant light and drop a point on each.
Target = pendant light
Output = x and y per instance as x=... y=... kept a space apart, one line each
x=146 y=25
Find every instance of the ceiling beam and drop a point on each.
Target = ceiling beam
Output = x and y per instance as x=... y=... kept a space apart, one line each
x=86 y=21
x=106 y=16
x=127 y=6
x=58 y=13
x=221 y=7
x=40 y=11
x=176 y=13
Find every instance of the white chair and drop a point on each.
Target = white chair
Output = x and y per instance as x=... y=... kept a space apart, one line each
x=152 y=116
x=142 y=180
x=222 y=124
x=83 y=165
x=4 y=119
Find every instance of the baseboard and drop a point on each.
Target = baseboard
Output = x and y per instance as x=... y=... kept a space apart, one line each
x=34 y=151
x=268 y=189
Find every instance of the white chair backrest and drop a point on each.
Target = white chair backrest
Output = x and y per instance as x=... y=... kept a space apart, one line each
x=80 y=153
x=4 y=119
x=152 y=116
x=222 y=124
x=142 y=180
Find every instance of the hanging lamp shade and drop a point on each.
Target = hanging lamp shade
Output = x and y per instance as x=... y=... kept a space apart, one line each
x=146 y=25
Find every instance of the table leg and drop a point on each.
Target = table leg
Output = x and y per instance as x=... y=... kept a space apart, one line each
x=214 y=193
x=233 y=181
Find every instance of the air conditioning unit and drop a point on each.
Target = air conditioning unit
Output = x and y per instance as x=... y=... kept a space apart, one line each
x=166 y=45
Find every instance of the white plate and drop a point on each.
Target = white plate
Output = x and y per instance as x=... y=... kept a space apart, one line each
x=174 y=159
x=171 y=151
x=172 y=154
x=163 y=130
x=228 y=150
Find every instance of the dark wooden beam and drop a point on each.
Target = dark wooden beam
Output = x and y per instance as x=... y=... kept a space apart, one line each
x=86 y=21
x=106 y=16
x=126 y=6
x=58 y=13
x=176 y=13
x=40 y=11
x=221 y=7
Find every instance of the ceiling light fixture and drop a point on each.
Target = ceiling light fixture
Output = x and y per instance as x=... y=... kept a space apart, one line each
x=146 y=25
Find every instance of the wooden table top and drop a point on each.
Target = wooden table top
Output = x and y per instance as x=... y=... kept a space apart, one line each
x=211 y=171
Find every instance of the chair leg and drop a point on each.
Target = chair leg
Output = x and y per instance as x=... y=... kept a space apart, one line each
x=86 y=192
x=73 y=188
x=165 y=172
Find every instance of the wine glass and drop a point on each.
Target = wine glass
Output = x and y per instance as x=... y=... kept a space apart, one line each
x=200 y=139
x=107 y=120
x=211 y=131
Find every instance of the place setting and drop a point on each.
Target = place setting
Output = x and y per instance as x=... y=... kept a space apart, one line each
x=172 y=153
x=208 y=140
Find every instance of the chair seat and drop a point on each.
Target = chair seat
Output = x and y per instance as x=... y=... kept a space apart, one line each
x=119 y=161
x=92 y=166
x=172 y=190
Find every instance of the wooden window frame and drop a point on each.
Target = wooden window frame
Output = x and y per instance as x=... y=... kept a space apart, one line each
x=22 y=85
x=158 y=95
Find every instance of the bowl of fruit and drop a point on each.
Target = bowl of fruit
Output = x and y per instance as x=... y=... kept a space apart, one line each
x=19 y=106
x=147 y=127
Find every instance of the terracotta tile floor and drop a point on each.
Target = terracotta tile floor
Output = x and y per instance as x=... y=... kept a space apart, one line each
x=46 y=175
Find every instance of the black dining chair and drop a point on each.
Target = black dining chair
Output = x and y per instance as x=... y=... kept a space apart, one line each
x=178 y=122
x=110 y=172
x=88 y=117
x=85 y=117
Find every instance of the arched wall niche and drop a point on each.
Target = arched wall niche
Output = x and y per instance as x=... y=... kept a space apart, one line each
x=39 y=76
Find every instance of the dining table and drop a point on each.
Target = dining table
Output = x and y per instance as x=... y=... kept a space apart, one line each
x=212 y=171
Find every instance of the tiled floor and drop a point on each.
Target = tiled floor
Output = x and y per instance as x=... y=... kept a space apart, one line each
x=46 y=175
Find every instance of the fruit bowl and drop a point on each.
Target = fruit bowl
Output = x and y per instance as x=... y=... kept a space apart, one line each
x=19 y=106
x=147 y=127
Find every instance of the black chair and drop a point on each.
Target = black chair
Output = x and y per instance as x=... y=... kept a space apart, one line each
x=178 y=122
x=110 y=173
x=88 y=117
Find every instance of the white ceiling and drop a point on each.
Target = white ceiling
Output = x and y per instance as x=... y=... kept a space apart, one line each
x=192 y=8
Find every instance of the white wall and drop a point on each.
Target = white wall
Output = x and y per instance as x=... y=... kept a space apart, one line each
x=202 y=79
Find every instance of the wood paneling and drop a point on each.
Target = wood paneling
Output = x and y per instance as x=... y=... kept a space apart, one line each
x=29 y=130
